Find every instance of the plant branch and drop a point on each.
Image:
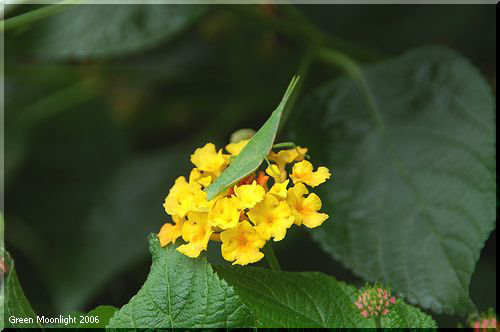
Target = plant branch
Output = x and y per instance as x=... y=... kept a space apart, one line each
x=302 y=71
x=34 y=15
x=52 y=104
x=330 y=40
x=298 y=27
x=345 y=63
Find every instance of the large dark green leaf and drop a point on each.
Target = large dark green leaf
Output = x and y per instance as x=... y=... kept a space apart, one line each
x=98 y=31
x=309 y=299
x=413 y=190
x=181 y=292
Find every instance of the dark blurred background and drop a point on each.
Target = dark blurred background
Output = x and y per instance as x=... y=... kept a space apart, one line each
x=93 y=141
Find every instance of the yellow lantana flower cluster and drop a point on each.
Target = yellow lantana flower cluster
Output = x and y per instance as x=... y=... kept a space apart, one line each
x=248 y=214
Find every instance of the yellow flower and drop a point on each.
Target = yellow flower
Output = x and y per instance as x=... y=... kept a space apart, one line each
x=249 y=194
x=170 y=232
x=284 y=157
x=242 y=244
x=303 y=172
x=184 y=197
x=271 y=218
x=207 y=159
x=305 y=209
x=174 y=204
x=197 y=176
x=247 y=214
x=279 y=189
x=225 y=213
x=235 y=148
x=279 y=175
x=196 y=231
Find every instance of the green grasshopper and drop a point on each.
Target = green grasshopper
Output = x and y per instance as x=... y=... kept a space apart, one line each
x=254 y=152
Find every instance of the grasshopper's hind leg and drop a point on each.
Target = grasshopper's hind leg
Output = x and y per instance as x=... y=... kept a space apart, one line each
x=285 y=145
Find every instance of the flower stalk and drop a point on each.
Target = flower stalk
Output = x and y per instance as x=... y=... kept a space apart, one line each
x=271 y=258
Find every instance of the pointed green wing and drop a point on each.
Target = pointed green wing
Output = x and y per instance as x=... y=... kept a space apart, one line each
x=254 y=152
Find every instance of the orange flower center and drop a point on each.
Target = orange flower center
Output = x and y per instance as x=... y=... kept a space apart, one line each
x=245 y=180
x=242 y=241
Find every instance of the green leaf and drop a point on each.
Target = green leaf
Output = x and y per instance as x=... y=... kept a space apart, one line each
x=413 y=191
x=102 y=31
x=103 y=313
x=294 y=299
x=254 y=152
x=13 y=302
x=181 y=292
x=305 y=300
x=403 y=315
x=96 y=318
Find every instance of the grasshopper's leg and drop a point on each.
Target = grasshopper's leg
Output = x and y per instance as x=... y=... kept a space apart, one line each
x=267 y=161
x=291 y=145
x=285 y=145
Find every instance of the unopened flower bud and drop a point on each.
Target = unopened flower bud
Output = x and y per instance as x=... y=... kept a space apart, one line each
x=374 y=301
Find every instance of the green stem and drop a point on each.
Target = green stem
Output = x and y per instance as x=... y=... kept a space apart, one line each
x=378 y=322
x=299 y=28
x=354 y=71
x=8 y=7
x=52 y=104
x=303 y=69
x=272 y=260
x=317 y=35
x=34 y=15
x=298 y=32
x=343 y=61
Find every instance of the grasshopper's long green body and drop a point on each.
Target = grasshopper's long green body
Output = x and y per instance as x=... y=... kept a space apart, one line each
x=253 y=154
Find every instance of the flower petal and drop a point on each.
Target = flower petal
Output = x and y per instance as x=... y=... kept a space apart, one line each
x=209 y=160
x=196 y=232
x=225 y=213
x=235 y=148
x=302 y=172
x=170 y=232
x=271 y=218
x=279 y=189
x=249 y=194
x=242 y=244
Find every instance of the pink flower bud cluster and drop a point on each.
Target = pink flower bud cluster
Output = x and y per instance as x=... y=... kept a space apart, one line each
x=374 y=301
x=484 y=324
